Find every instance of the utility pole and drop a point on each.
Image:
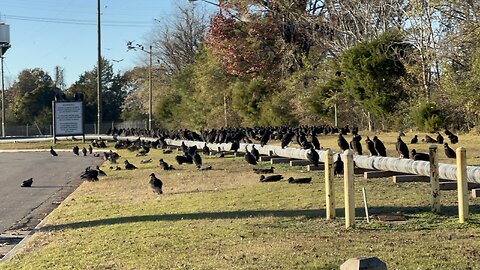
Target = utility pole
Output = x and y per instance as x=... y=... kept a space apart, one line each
x=150 y=110
x=140 y=47
x=3 y=95
x=4 y=46
x=99 y=72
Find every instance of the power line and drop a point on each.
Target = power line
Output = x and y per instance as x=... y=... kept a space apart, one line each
x=77 y=21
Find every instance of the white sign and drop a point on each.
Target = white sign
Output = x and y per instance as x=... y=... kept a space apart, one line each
x=68 y=118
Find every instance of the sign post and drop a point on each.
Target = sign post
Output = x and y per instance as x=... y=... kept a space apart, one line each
x=68 y=119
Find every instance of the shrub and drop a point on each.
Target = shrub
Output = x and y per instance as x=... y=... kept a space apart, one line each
x=427 y=117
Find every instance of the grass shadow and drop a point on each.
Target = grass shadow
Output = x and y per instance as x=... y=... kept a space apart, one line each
x=310 y=213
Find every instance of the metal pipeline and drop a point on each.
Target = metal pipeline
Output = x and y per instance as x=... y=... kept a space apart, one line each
x=407 y=166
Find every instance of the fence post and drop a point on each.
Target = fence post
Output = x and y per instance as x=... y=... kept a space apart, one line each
x=434 y=181
x=349 y=189
x=462 y=184
x=329 y=189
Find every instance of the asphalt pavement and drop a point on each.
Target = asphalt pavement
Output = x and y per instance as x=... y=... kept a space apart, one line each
x=51 y=175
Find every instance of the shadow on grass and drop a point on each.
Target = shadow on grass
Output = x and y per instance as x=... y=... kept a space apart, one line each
x=309 y=213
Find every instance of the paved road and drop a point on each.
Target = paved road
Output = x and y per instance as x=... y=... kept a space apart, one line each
x=50 y=174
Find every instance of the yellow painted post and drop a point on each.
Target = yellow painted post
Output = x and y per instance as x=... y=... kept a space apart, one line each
x=434 y=182
x=462 y=184
x=349 y=189
x=330 y=195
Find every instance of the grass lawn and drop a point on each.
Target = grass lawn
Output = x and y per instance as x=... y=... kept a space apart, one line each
x=226 y=219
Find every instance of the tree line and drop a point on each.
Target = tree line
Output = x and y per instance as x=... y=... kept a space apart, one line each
x=387 y=64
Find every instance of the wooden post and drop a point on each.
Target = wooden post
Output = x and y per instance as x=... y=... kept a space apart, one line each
x=462 y=184
x=365 y=204
x=349 y=189
x=330 y=195
x=434 y=182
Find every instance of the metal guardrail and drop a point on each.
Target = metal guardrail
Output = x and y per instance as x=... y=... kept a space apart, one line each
x=407 y=166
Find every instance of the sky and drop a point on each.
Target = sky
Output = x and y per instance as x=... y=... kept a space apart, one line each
x=47 y=33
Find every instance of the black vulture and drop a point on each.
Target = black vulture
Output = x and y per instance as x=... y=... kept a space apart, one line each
x=379 y=146
x=271 y=178
x=420 y=156
x=453 y=138
x=165 y=166
x=235 y=146
x=27 y=183
x=342 y=143
x=156 y=184
x=76 y=150
x=315 y=142
x=129 y=166
x=100 y=172
x=287 y=139
x=206 y=150
x=449 y=152
x=402 y=148
x=371 y=147
x=84 y=151
x=197 y=159
x=255 y=153
x=90 y=149
x=414 y=140
x=356 y=145
x=52 y=152
x=249 y=157
x=90 y=175
x=439 y=138
x=313 y=157
x=303 y=180
x=429 y=139
x=338 y=165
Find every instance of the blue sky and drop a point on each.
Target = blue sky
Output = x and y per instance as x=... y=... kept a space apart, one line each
x=46 y=33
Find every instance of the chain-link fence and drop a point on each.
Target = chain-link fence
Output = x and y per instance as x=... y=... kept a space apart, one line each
x=90 y=128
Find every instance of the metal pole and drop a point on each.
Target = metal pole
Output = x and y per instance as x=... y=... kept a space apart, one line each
x=3 y=96
x=150 y=91
x=99 y=72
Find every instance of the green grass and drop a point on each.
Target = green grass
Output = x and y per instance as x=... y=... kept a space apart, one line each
x=226 y=219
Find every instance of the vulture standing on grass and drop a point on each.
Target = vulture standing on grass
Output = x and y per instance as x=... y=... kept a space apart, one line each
x=100 y=172
x=255 y=153
x=156 y=184
x=414 y=140
x=338 y=166
x=271 y=178
x=303 y=180
x=342 y=143
x=90 y=175
x=129 y=166
x=84 y=151
x=249 y=157
x=206 y=150
x=439 y=138
x=449 y=152
x=197 y=159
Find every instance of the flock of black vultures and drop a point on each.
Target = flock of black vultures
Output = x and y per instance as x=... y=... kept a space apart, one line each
x=304 y=136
